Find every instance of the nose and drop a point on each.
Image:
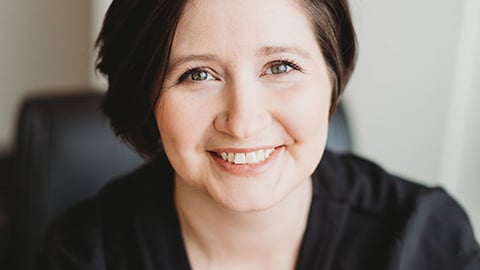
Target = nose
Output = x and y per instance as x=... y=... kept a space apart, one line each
x=245 y=110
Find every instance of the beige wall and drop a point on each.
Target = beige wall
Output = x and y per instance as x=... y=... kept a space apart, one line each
x=98 y=10
x=414 y=96
x=399 y=94
x=461 y=155
x=43 y=44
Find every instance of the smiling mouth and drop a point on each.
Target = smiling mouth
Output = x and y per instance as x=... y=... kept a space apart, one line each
x=254 y=157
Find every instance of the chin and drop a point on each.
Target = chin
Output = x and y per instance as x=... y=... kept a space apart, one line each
x=246 y=201
x=249 y=207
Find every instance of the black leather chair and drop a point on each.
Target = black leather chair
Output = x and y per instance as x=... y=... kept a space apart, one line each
x=339 y=135
x=6 y=171
x=65 y=153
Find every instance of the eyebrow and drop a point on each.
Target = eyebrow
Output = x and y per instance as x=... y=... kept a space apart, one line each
x=193 y=57
x=264 y=51
x=269 y=50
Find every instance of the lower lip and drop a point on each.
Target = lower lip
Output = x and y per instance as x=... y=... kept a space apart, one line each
x=246 y=169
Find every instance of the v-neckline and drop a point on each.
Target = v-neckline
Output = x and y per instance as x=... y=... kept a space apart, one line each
x=324 y=225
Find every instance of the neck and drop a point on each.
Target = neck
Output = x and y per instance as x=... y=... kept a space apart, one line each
x=266 y=239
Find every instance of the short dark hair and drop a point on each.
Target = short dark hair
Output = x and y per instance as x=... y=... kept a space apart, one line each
x=134 y=47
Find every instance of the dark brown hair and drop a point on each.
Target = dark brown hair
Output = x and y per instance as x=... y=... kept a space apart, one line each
x=134 y=48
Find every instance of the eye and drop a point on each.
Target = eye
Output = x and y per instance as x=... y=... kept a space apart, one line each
x=281 y=67
x=196 y=74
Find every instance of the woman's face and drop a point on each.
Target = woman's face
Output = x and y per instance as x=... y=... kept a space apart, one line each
x=243 y=113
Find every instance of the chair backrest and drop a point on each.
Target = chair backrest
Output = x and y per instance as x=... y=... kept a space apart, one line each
x=339 y=136
x=65 y=153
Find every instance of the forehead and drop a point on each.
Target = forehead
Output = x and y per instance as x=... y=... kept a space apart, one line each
x=226 y=25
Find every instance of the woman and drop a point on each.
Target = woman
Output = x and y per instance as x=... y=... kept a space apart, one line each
x=230 y=100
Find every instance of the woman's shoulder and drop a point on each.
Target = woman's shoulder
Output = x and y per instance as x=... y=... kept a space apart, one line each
x=408 y=224
x=365 y=185
x=108 y=221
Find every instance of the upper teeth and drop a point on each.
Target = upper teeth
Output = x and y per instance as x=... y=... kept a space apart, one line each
x=247 y=158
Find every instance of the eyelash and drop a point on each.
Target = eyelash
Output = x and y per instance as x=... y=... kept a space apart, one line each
x=190 y=70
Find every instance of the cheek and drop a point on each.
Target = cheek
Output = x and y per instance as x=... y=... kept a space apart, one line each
x=178 y=122
x=307 y=112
